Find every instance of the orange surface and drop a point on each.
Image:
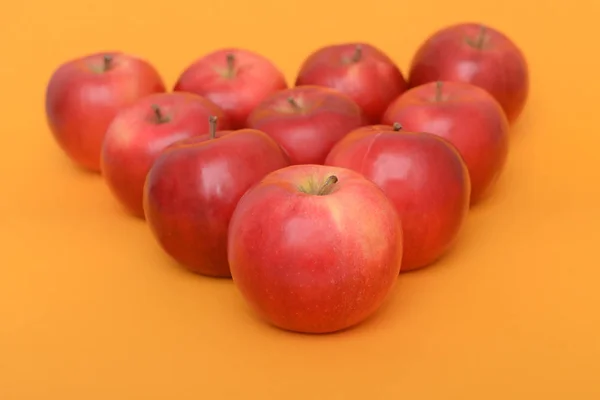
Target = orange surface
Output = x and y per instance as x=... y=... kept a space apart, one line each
x=90 y=308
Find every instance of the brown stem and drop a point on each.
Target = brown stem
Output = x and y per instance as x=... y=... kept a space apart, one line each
x=327 y=186
x=160 y=118
x=438 y=91
x=212 y=126
x=358 y=53
x=107 y=62
x=481 y=37
x=397 y=127
x=230 y=65
x=294 y=104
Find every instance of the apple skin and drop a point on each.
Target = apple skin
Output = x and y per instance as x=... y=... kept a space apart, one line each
x=360 y=70
x=237 y=80
x=424 y=177
x=468 y=117
x=315 y=263
x=476 y=54
x=139 y=133
x=193 y=187
x=307 y=121
x=84 y=94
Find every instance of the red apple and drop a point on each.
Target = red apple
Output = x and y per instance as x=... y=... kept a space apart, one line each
x=195 y=184
x=362 y=71
x=422 y=174
x=306 y=121
x=237 y=80
x=468 y=117
x=141 y=131
x=84 y=95
x=479 y=55
x=315 y=249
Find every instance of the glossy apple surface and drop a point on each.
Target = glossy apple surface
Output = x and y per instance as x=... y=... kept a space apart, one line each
x=84 y=95
x=237 y=80
x=193 y=187
x=307 y=121
x=139 y=133
x=360 y=70
x=468 y=117
x=479 y=55
x=315 y=249
x=424 y=177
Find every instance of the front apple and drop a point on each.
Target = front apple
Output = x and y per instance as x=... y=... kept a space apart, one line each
x=138 y=133
x=237 y=80
x=193 y=187
x=307 y=121
x=85 y=94
x=362 y=71
x=315 y=249
x=424 y=177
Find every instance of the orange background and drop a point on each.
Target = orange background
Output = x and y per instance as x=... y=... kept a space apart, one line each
x=90 y=307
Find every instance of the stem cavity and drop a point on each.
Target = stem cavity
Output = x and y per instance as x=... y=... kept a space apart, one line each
x=397 y=127
x=160 y=118
x=294 y=104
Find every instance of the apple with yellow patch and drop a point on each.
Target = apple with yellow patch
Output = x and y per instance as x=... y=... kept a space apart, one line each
x=360 y=70
x=314 y=248
x=235 y=79
x=85 y=93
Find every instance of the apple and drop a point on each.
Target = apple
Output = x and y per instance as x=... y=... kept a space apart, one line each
x=195 y=184
x=362 y=71
x=84 y=94
x=237 y=80
x=139 y=133
x=422 y=174
x=468 y=117
x=306 y=121
x=479 y=55
x=315 y=249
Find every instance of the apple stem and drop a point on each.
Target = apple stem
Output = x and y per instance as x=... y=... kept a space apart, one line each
x=212 y=126
x=294 y=104
x=481 y=37
x=358 y=52
x=230 y=65
x=160 y=118
x=438 y=91
x=397 y=127
x=327 y=186
x=107 y=62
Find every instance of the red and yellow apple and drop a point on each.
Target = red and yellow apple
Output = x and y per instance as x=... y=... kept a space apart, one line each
x=315 y=249
x=422 y=174
x=85 y=94
x=360 y=70
x=306 y=121
x=476 y=54
x=139 y=133
x=195 y=184
x=237 y=80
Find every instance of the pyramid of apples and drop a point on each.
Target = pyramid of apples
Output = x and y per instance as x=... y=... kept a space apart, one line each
x=312 y=197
